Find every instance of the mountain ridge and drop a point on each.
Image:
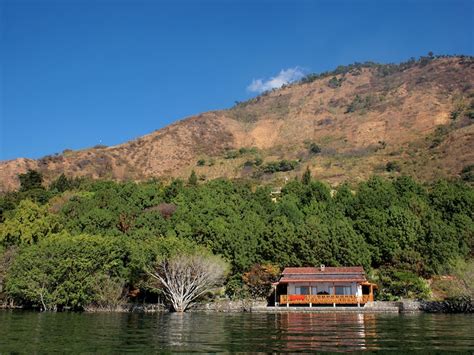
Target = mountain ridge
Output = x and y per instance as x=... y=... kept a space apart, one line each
x=415 y=115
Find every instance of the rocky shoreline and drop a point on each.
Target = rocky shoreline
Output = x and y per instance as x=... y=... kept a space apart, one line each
x=464 y=305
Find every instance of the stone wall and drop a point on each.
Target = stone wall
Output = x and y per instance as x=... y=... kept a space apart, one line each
x=130 y=307
x=403 y=306
x=409 y=306
x=229 y=306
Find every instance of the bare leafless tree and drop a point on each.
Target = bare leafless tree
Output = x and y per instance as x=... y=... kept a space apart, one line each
x=184 y=278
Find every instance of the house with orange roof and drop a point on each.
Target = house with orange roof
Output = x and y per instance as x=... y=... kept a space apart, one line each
x=314 y=286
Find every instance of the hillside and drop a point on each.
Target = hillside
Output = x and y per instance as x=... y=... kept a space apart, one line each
x=417 y=116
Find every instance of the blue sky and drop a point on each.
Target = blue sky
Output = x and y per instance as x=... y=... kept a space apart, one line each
x=79 y=73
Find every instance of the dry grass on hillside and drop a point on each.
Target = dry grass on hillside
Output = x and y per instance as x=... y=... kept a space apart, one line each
x=417 y=119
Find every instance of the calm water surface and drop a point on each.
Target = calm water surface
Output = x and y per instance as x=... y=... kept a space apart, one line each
x=28 y=332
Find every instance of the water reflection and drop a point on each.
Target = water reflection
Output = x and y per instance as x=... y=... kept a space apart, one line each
x=178 y=329
x=186 y=331
x=327 y=331
x=30 y=332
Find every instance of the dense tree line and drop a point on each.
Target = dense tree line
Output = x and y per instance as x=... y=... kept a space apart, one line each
x=62 y=246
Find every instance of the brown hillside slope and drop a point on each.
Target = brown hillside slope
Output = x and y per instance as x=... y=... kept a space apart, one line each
x=362 y=120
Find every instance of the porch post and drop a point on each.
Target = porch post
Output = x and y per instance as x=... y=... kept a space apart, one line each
x=275 y=297
x=359 y=296
x=310 y=294
x=334 y=293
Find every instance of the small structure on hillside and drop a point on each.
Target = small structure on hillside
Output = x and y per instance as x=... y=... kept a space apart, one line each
x=323 y=286
x=275 y=193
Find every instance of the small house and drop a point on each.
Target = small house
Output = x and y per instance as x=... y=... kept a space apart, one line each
x=322 y=285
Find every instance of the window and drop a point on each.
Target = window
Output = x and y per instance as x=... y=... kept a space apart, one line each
x=314 y=290
x=302 y=290
x=343 y=290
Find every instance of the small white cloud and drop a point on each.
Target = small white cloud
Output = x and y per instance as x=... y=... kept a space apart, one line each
x=285 y=76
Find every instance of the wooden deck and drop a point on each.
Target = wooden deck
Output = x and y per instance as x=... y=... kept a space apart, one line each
x=324 y=299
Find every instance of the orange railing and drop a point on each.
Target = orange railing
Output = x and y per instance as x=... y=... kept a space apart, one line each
x=324 y=299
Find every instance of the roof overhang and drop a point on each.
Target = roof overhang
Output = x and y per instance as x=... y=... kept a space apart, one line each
x=285 y=280
x=367 y=283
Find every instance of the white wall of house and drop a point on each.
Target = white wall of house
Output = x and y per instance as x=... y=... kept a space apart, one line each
x=351 y=288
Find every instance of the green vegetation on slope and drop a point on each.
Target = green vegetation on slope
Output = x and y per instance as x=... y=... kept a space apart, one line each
x=67 y=245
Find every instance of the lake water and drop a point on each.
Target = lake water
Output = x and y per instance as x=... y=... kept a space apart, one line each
x=29 y=332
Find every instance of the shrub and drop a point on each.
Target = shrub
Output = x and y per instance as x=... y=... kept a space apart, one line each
x=448 y=286
x=260 y=278
x=109 y=293
x=462 y=108
x=360 y=103
x=314 y=148
x=201 y=162
x=62 y=270
x=277 y=166
x=334 y=82
x=7 y=256
x=235 y=289
x=400 y=283
x=393 y=166
x=193 y=179
x=467 y=173
x=439 y=135
x=253 y=162
x=231 y=154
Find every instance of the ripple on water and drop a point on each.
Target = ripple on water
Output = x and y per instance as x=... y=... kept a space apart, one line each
x=22 y=331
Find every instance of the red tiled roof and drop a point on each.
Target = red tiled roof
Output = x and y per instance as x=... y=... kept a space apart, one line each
x=326 y=270
x=285 y=280
x=326 y=274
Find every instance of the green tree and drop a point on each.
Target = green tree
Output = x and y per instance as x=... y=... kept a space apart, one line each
x=314 y=240
x=61 y=184
x=62 y=270
x=345 y=200
x=306 y=178
x=349 y=248
x=259 y=279
x=280 y=245
x=30 y=180
x=29 y=224
x=192 y=180
x=399 y=283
